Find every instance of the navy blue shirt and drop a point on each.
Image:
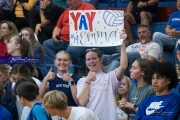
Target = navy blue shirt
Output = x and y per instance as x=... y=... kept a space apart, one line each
x=59 y=84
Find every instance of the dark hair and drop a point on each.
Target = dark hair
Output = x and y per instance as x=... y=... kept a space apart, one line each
x=164 y=69
x=95 y=50
x=27 y=70
x=25 y=46
x=143 y=64
x=22 y=80
x=142 y=26
x=1 y=90
x=27 y=90
x=33 y=39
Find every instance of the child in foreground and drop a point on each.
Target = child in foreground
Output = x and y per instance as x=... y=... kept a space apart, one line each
x=164 y=104
x=55 y=102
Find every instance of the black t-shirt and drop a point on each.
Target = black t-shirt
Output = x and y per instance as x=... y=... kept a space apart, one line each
x=53 y=12
x=152 y=8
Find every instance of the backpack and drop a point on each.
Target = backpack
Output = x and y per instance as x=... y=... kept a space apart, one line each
x=31 y=114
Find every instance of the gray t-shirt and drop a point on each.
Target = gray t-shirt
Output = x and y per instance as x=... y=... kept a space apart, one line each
x=136 y=95
x=151 y=48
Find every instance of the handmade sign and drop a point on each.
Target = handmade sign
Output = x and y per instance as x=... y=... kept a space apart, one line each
x=97 y=28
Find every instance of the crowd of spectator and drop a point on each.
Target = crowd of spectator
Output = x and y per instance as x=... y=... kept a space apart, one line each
x=31 y=90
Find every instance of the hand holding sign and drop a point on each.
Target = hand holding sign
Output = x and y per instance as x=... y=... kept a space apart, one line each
x=123 y=35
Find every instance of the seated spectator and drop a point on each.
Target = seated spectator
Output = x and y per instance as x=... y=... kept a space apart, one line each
x=27 y=93
x=139 y=91
x=18 y=46
x=172 y=31
x=92 y=91
x=8 y=30
x=5 y=114
x=59 y=107
x=95 y=3
x=8 y=98
x=122 y=94
x=139 y=11
x=145 y=49
x=43 y=21
x=18 y=72
x=63 y=80
x=5 y=9
x=60 y=38
x=21 y=10
x=164 y=104
x=62 y=3
x=38 y=51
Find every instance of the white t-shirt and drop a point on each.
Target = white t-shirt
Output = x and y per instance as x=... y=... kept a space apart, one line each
x=121 y=114
x=151 y=48
x=81 y=113
x=24 y=111
x=101 y=96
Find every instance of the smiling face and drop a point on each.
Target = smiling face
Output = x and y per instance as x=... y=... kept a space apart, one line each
x=12 y=46
x=25 y=34
x=136 y=71
x=93 y=62
x=160 y=84
x=5 y=31
x=62 y=62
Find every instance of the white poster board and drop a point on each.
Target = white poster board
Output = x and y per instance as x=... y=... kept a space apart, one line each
x=97 y=28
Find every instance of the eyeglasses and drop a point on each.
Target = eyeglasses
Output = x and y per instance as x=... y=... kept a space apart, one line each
x=92 y=49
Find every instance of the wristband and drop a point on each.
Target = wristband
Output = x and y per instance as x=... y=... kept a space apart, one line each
x=134 y=107
x=87 y=82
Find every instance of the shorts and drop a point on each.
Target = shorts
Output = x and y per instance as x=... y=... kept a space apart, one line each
x=136 y=16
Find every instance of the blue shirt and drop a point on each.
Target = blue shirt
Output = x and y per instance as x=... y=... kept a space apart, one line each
x=59 y=84
x=174 y=20
x=38 y=113
x=166 y=107
x=5 y=114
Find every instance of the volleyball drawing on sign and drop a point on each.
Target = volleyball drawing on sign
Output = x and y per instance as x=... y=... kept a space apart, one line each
x=113 y=17
x=96 y=27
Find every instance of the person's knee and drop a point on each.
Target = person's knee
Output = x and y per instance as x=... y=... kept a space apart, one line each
x=48 y=43
x=134 y=55
x=127 y=17
x=143 y=15
x=155 y=36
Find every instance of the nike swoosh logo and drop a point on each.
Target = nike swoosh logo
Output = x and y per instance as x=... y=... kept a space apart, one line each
x=148 y=112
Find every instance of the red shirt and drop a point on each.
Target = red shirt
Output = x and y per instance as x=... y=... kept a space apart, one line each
x=63 y=22
x=3 y=49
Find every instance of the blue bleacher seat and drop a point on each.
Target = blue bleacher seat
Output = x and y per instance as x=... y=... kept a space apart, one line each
x=109 y=2
x=37 y=6
x=154 y=27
